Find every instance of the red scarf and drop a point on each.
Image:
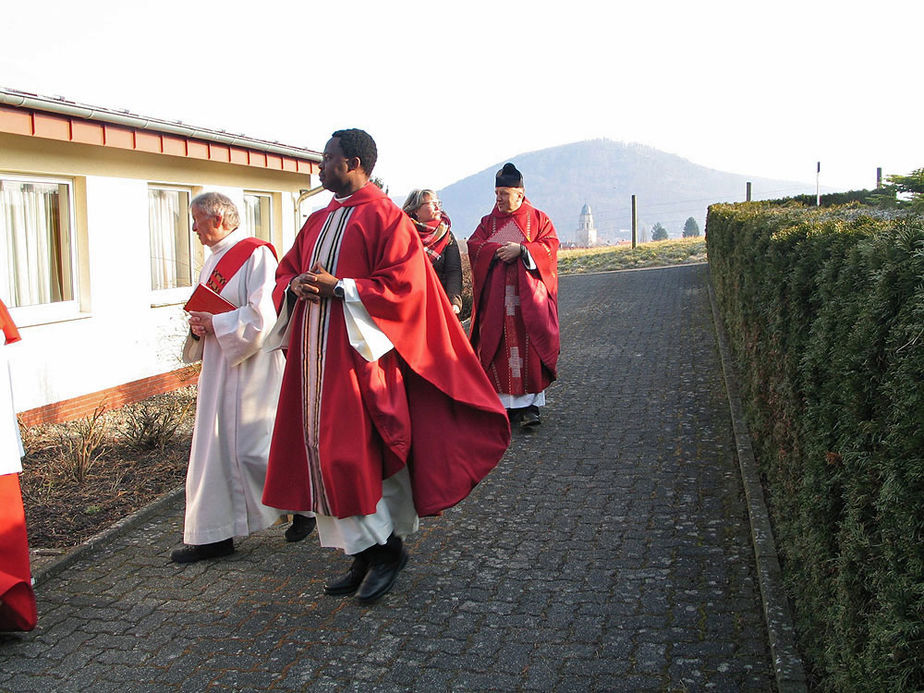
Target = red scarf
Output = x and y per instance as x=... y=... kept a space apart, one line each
x=434 y=235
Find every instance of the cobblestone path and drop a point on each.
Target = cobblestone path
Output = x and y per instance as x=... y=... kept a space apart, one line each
x=609 y=551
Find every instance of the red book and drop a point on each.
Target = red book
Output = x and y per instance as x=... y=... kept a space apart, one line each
x=205 y=300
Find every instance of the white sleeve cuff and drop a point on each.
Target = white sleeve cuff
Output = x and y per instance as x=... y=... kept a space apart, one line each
x=364 y=334
x=528 y=259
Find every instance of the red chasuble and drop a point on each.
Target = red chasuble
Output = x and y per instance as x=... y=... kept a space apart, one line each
x=343 y=423
x=515 y=310
x=17 y=600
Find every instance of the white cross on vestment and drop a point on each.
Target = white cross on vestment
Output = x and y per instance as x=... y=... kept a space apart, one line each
x=511 y=299
x=516 y=363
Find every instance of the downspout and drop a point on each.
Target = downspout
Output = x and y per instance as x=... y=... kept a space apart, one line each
x=298 y=204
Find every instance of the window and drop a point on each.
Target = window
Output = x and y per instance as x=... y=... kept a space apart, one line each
x=36 y=242
x=171 y=244
x=258 y=214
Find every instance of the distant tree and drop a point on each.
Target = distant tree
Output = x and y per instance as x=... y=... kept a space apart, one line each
x=690 y=228
x=379 y=183
x=658 y=232
x=911 y=185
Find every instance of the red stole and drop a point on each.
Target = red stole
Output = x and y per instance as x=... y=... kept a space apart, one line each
x=233 y=260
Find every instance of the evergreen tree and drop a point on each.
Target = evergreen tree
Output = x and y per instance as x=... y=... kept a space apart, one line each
x=690 y=228
x=913 y=186
x=658 y=232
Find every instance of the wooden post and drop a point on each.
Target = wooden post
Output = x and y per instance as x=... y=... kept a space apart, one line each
x=878 y=177
x=634 y=221
x=748 y=197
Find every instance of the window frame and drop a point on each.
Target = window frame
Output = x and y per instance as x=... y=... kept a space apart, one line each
x=270 y=214
x=177 y=294
x=56 y=311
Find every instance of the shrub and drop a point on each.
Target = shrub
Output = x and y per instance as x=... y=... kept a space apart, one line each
x=82 y=443
x=153 y=423
x=824 y=309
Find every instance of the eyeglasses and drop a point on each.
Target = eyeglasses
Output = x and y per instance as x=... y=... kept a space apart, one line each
x=435 y=203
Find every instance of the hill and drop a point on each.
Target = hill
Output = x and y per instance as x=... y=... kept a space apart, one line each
x=605 y=174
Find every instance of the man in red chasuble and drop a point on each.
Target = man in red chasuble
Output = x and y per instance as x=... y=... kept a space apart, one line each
x=514 y=259
x=385 y=414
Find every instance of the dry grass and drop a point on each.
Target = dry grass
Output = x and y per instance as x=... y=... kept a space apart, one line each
x=654 y=254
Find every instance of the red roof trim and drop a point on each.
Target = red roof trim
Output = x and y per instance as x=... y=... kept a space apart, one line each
x=32 y=123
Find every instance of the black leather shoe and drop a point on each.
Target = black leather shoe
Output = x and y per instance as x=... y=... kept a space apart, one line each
x=349 y=582
x=300 y=528
x=530 y=418
x=381 y=577
x=514 y=416
x=201 y=552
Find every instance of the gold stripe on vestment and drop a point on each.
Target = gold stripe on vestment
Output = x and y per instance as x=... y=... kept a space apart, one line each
x=314 y=353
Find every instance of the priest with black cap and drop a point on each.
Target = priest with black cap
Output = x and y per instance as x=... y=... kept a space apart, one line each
x=514 y=327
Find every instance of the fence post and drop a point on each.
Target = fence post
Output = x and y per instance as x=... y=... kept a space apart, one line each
x=818 y=186
x=634 y=221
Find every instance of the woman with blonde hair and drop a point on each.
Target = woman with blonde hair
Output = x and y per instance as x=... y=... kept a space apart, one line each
x=433 y=225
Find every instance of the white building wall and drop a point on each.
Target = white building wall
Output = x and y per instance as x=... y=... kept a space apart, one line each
x=118 y=337
x=123 y=331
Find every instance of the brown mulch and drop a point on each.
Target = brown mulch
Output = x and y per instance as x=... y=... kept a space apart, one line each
x=124 y=475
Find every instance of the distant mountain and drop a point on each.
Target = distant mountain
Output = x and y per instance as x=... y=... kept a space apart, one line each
x=605 y=174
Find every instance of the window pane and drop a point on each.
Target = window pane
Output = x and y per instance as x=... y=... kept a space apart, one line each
x=36 y=243
x=257 y=214
x=168 y=221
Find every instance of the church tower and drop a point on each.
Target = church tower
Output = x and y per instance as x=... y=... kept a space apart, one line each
x=586 y=234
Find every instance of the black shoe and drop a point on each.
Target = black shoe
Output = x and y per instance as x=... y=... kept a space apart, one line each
x=530 y=418
x=300 y=528
x=201 y=552
x=387 y=562
x=350 y=582
x=514 y=416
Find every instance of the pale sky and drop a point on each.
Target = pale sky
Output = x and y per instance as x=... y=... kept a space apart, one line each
x=450 y=88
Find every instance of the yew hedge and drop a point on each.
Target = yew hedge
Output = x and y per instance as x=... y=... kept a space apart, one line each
x=825 y=314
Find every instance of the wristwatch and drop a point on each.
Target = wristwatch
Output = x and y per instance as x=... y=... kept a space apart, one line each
x=338 y=289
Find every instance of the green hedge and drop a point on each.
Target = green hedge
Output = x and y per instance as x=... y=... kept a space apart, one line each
x=825 y=312
x=834 y=199
x=884 y=198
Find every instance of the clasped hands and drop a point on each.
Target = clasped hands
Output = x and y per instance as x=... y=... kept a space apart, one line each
x=508 y=252
x=200 y=323
x=315 y=284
